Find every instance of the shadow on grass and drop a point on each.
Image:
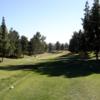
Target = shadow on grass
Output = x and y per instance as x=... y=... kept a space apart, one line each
x=68 y=65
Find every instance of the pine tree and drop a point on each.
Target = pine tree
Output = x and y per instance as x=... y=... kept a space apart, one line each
x=62 y=47
x=57 y=46
x=24 y=44
x=38 y=44
x=86 y=35
x=4 y=38
x=15 y=44
x=18 y=49
x=50 y=47
x=30 y=48
x=66 y=46
x=95 y=27
x=74 y=43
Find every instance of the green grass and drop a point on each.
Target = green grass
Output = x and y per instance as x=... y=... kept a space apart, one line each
x=59 y=76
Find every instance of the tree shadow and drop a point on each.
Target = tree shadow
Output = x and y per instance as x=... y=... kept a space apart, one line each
x=69 y=66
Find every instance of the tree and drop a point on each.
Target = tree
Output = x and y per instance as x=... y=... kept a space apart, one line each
x=43 y=44
x=35 y=42
x=24 y=44
x=91 y=27
x=4 y=39
x=30 y=48
x=74 y=43
x=62 y=47
x=95 y=27
x=15 y=43
x=0 y=42
x=57 y=46
x=66 y=46
x=86 y=38
x=38 y=44
x=50 y=47
x=18 y=49
x=12 y=39
x=89 y=39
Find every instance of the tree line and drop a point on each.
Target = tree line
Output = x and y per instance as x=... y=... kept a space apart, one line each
x=14 y=46
x=57 y=47
x=88 y=39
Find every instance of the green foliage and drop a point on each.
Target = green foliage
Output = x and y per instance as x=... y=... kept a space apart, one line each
x=95 y=24
x=4 y=42
x=15 y=44
x=57 y=46
x=62 y=47
x=24 y=44
x=90 y=37
x=74 y=42
x=50 y=47
x=18 y=51
x=38 y=44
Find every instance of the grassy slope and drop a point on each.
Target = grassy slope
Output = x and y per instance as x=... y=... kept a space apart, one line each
x=33 y=85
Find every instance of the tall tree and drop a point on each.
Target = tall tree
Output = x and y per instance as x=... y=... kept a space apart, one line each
x=38 y=43
x=24 y=44
x=95 y=27
x=74 y=43
x=35 y=42
x=86 y=38
x=15 y=43
x=4 y=38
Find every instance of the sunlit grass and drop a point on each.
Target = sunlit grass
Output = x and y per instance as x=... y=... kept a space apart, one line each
x=45 y=84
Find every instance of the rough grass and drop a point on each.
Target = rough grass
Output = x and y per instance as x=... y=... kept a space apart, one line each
x=61 y=76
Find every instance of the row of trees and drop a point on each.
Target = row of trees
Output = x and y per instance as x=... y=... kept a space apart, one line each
x=12 y=45
x=57 y=46
x=88 y=39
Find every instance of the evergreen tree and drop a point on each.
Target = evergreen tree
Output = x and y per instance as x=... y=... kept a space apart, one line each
x=18 y=50
x=0 y=42
x=15 y=43
x=66 y=46
x=95 y=27
x=50 y=47
x=62 y=47
x=38 y=43
x=74 y=43
x=30 y=48
x=57 y=46
x=86 y=38
x=24 y=44
x=4 y=39
x=12 y=39
x=35 y=42
x=43 y=44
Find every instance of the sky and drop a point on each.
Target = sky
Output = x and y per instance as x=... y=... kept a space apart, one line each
x=55 y=19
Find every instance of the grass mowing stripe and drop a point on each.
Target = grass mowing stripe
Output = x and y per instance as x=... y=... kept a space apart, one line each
x=16 y=82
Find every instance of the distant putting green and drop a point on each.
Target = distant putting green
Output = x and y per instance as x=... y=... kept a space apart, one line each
x=58 y=76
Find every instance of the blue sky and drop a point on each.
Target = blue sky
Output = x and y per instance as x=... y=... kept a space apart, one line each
x=55 y=19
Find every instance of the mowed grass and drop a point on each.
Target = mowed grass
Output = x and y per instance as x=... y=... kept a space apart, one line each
x=59 y=76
